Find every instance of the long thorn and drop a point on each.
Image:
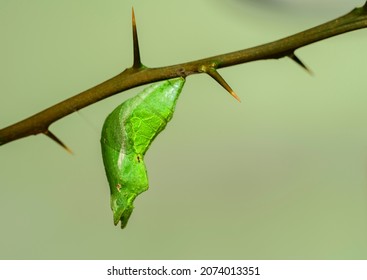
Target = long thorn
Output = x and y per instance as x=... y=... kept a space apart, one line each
x=300 y=63
x=58 y=141
x=216 y=76
x=137 y=62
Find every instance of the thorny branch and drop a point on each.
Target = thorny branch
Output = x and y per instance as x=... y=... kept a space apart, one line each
x=138 y=74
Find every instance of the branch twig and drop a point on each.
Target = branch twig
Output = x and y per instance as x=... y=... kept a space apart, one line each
x=138 y=74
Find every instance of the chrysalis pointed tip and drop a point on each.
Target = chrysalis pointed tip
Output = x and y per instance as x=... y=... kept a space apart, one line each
x=121 y=215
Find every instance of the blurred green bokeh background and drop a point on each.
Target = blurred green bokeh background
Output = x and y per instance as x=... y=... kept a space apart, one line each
x=282 y=175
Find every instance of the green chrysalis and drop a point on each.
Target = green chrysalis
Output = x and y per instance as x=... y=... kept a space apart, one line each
x=127 y=134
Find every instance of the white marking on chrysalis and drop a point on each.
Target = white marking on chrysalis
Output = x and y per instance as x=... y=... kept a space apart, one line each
x=120 y=160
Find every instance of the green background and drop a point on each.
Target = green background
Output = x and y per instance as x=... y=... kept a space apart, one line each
x=282 y=175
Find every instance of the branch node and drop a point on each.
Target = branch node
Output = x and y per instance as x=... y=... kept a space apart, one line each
x=300 y=63
x=58 y=141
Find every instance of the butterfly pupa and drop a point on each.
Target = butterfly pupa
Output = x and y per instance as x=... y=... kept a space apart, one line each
x=126 y=136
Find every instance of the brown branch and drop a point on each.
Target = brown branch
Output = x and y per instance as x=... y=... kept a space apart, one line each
x=140 y=75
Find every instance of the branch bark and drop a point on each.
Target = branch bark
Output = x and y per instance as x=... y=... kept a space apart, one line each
x=139 y=75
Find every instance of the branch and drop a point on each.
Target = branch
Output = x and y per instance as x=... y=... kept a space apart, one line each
x=138 y=74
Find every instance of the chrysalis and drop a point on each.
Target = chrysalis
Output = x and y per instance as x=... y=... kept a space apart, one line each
x=127 y=134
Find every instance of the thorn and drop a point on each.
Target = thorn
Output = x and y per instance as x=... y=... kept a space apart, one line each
x=216 y=76
x=137 y=62
x=58 y=141
x=300 y=63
